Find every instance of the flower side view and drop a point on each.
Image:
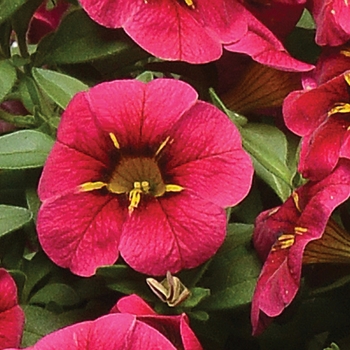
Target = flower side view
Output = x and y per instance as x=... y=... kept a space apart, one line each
x=174 y=327
x=11 y=314
x=320 y=115
x=281 y=235
x=141 y=169
x=194 y=31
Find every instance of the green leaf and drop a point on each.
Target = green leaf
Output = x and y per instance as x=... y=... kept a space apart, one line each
x=306 y=21
x=197 y=295
x=59 y=87
x=20 y=23
x=59 y=293
x=232 y=274
x=79 y=39
x=123 y=279
x=9 y=7
x=33 y=201
x=39 y=322
x=267 y=146
x=237 y=119
x=8 y=78
x=24 y=149
x=13 y=218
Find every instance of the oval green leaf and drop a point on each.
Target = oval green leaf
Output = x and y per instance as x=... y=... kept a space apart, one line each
x=59 y=87
x=13 y=218
x=8 y=78
x=24 y=149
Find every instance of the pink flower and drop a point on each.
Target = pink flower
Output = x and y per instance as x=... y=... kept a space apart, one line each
x=280 y=237
x=112 y=332
x=144 y=169
x=45 y=20
x=11 y=315
x=174 y=328
x=193 y=31
x=332 y=21
x=324 y=124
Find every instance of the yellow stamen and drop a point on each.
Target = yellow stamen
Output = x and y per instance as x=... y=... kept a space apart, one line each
x=135 y=197
x=173 y=188
x=190 y=4
x=300 y=230
x=114 y=140
x=91 y=186
x=340 y=108
x=162 y=145
x=295 y=197
x=347 y=76
x=283 y=242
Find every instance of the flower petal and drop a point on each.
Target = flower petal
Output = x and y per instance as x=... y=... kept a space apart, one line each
x=262 y=46
x=174 y=232
x=11 y=315
x=81 y=230
x=321 y=153
x=207 y=158
x=111 y=13
x=78 y=129
x=133 y=304
x=113 y=331
x=179 y=32
x=142 y=113
x=66 y=169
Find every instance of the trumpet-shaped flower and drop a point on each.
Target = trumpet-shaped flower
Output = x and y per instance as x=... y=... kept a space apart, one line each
x=332 y=21
x=141 y=169
x=11 y=315
x=175 y=327
x=194 y=31
x=280 y=238
x=321 y=115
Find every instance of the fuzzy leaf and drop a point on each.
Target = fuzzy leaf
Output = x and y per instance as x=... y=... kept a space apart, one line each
x=59 y=87
x=59 y=293
x=24 y=149
x=268 y=147
x=232 y=275
x=9 y=7
x=79 y=39
x=13 y=218
x=8 y=78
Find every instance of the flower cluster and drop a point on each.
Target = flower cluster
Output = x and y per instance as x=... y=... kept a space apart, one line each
x=130 y=133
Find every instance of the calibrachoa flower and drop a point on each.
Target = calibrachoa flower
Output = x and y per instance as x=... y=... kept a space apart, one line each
x=112 y=332
x=280 y=237
x=174 y=328
x=193 y=30
x=11 y=315
x=46 y=20
x=332 y=21
x=324 y=125
x=144 y=169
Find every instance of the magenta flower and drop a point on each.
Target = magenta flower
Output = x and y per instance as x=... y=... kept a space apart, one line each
x=144 y=170
x=324 y=125
x=280 y=237
x=46 y=20
x=11 y=315
x=174 y=328
x=112 y=332
x=193 y=31
x=332 y=21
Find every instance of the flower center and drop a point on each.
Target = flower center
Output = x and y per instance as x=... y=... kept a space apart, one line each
x=135 y=176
